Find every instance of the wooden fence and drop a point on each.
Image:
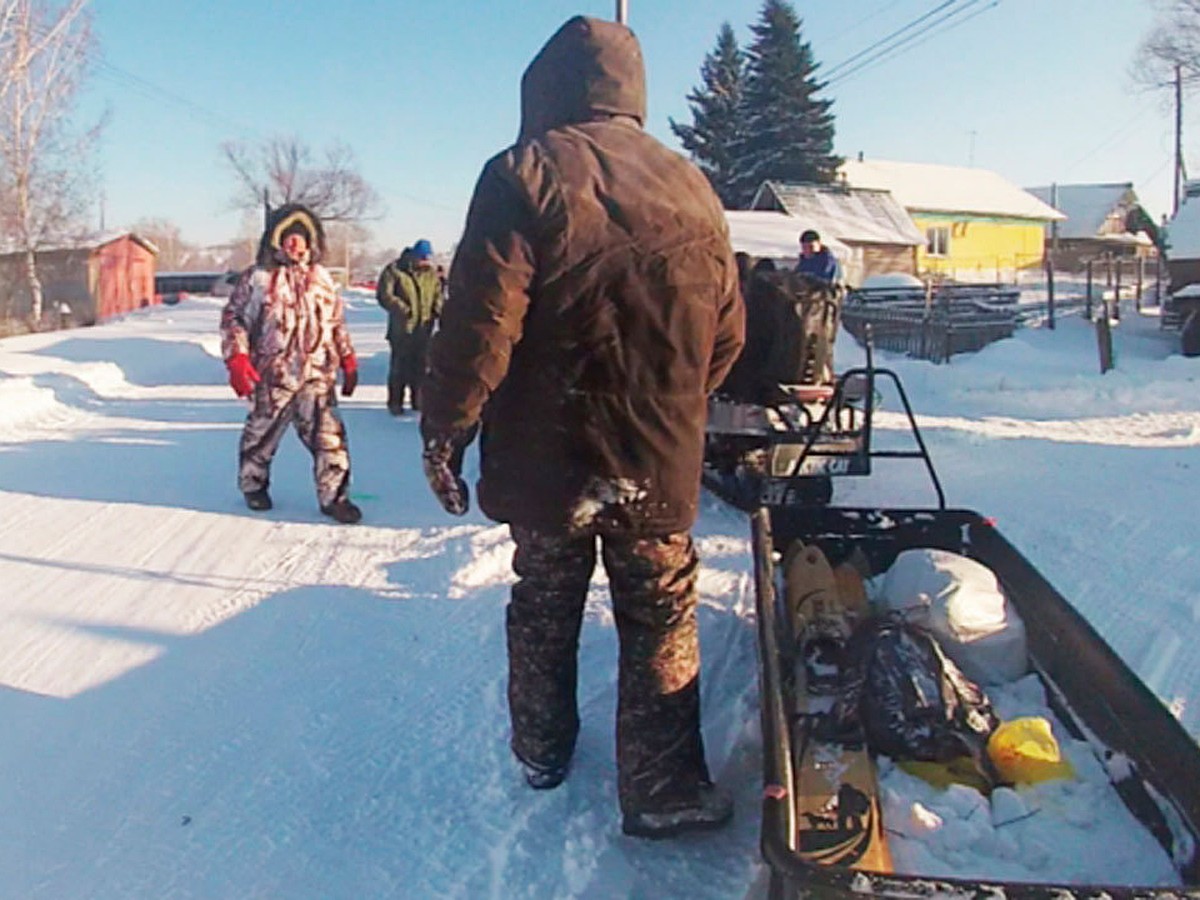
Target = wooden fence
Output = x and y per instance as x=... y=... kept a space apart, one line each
x=933 y=323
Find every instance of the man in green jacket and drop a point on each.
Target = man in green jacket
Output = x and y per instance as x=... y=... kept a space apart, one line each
x=411 y=292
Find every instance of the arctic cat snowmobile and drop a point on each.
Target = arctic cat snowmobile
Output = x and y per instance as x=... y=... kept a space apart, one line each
x=834 y=844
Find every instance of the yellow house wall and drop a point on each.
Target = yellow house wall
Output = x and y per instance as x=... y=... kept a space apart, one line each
x=982 y=248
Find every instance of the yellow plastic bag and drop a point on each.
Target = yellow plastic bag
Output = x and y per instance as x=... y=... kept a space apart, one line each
x=1024 y=751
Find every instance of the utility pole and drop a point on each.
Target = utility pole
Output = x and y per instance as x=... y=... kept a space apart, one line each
x=1050 y=259
x=623 y=11
x=1178 y=138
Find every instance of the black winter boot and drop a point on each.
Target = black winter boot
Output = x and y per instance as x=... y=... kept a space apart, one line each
x=258 y=500
x=544 y=778
x=711 y=809
x=343 y=511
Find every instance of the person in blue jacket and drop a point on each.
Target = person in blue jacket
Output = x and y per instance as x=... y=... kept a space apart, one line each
x=816 y=261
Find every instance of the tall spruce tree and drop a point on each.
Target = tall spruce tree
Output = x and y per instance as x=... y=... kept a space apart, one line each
x=717 y=114
x=788 y=132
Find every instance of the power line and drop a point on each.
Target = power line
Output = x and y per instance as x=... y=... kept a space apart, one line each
x=913 y=24
x=196 y=111
x=151 y=90
x=864 y=20
x=1122 y=131
x=951 y=20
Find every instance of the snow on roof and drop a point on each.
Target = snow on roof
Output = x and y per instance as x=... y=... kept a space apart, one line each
x=1086 y=206
x=84 y=243
x=850 y=215
x=1183 y=231
x=765 y=233
x=934 y=188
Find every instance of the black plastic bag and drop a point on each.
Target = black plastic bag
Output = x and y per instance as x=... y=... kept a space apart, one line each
x=900 y=692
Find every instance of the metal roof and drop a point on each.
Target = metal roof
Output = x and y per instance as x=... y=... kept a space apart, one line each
x=846 y=215
x=924 y=187
x=1086 y=206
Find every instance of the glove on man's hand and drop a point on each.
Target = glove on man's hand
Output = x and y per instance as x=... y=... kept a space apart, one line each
x=242 y=374
x=442 y=459
x=349 y=375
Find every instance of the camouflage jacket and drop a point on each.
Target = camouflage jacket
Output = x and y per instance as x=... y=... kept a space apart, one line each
x=291 y=323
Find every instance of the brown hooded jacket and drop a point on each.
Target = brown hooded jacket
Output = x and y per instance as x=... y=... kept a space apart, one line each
x=593 y=305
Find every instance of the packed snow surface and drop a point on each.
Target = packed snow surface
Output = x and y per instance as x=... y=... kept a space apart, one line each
x=201 y=701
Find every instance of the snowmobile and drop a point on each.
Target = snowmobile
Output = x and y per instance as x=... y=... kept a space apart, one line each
x=774 y=463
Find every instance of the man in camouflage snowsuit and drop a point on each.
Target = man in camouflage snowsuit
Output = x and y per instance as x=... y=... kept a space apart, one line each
x=593 y=306
x=410 y=289
x=284 y=337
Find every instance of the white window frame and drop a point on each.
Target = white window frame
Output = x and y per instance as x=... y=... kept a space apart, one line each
x=937 y=241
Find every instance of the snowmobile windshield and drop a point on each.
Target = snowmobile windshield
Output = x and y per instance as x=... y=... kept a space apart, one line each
x=589 y=69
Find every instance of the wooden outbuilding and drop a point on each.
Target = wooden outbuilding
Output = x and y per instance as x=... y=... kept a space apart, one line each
x=1104 y=221
x=86 y=282
x=869 y=232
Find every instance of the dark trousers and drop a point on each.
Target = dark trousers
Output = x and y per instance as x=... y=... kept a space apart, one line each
x=660 y=753
x=406 y=367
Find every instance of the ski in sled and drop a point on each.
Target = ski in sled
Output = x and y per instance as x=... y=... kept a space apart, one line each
x=822 y=828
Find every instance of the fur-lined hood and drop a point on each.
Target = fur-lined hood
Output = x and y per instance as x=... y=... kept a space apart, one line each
x=279 y=221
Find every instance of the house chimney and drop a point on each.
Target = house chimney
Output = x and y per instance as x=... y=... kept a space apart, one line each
x=860 y=156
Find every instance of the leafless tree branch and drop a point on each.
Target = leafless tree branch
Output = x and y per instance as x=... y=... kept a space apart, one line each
x=1174 y=41
x=44 y=171
x=284 y=168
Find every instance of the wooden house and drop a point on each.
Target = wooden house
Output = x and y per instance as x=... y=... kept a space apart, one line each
x=94 y=280
x=869 y=232
x=1183 y=241
x=1104 y=221
x=977 y=225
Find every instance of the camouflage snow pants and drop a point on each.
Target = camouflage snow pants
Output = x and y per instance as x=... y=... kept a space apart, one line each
x=660 y=753
x=312 y=408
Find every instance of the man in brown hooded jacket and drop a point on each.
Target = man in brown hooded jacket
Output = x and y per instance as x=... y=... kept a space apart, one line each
x=593 y=306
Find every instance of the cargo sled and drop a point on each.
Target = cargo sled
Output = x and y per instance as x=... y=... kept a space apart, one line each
x=839 y=847
x=1089 y=688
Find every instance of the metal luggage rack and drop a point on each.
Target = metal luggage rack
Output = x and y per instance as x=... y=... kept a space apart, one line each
x=809 y=434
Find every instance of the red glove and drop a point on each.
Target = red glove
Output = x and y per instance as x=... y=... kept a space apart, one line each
x=349 y=375
x=242 y=374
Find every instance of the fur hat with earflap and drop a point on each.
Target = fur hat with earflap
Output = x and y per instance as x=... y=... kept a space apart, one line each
x=283 y=220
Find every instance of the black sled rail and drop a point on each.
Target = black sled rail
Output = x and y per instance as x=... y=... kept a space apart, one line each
x=1091 y=688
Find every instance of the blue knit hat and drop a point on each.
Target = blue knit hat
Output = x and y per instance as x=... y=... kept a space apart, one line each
x=422 y=249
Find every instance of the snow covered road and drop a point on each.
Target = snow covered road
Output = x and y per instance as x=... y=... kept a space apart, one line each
x=204 y=702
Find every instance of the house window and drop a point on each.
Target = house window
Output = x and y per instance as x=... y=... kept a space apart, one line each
x=937 y=241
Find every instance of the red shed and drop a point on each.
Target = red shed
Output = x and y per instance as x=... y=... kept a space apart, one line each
x=96 y=280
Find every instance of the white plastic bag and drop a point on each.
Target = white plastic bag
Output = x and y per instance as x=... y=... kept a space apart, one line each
x=962 y=604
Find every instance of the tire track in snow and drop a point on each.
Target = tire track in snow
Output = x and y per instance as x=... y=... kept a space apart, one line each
x=1142 y=429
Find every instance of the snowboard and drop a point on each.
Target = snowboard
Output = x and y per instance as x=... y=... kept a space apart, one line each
x=836 y=791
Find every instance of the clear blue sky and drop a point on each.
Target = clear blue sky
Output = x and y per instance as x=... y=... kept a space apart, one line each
x=425 y=93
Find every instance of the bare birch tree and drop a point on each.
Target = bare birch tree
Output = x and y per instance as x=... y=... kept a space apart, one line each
x=1173 y=41
x=285 y=170
x=44 y=174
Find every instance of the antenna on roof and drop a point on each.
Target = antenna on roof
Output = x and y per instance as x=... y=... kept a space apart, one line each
x=623 y=11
